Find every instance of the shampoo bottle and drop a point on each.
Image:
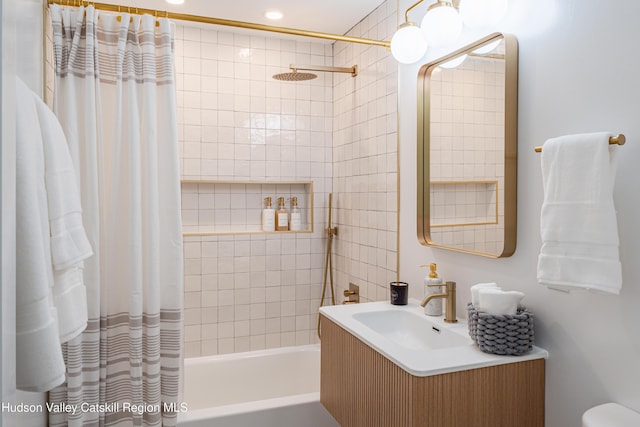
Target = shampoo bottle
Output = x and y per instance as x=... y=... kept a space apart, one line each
x=296 y=218
x=282 y=216
x=432 y=285
x=268 y=216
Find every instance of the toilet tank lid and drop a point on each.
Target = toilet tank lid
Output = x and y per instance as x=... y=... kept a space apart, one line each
x=610 y=415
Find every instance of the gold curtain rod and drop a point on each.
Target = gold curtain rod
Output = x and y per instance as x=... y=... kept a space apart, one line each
x=619 y=139
x=225 y=22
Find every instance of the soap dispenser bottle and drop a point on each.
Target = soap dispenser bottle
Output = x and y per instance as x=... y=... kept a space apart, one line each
x=282 y=216
x=295 y=224
x=432 y=285
x=268 y=216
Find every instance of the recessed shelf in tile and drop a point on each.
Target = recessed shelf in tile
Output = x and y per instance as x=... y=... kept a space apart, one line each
x=212 y=207
x=463 y=203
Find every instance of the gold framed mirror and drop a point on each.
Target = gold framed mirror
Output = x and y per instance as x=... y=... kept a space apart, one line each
x=467 y=148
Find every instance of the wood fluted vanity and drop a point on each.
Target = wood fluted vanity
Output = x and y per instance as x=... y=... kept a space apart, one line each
x=361 y=387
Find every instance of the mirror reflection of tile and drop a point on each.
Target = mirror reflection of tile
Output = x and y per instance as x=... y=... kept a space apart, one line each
x=467 y=153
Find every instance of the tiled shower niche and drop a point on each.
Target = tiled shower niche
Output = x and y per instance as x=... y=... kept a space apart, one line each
x=464 y=203
x=235 y=207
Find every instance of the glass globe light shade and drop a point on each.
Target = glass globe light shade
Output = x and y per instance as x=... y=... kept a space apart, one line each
x=454 y=62
x=442 y=24
x=408 y=44
x=480 y=14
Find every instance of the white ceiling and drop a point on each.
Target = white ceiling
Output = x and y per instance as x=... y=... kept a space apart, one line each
x=331 y=16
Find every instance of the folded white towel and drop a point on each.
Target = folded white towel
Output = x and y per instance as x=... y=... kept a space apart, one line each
x=578 y=219
x=39 y=362
x=69 y=243
x=475 y=288
x=499 y=302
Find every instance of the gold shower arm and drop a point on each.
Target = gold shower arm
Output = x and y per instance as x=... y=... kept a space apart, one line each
x=351 y=70
x=619 y=139
x=226 y=22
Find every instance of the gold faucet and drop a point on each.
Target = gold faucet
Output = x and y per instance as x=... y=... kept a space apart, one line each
x=450 y=295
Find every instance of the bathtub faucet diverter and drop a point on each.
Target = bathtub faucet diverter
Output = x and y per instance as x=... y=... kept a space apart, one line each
x=450 y=295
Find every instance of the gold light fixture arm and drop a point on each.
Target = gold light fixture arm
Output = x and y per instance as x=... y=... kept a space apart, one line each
x=619 y=139
x=232 y=23
x=406 y=13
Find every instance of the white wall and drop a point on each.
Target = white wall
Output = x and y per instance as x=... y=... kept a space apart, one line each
x=579 y=66
x=29 y=52
x=7 y=206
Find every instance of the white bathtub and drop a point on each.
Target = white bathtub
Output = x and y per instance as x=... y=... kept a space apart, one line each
x=266 y=388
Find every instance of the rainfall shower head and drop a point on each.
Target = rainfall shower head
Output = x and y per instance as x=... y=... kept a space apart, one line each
x=296 y=76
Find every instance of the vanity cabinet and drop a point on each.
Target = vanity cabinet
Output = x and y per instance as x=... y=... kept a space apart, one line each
x=362 y=388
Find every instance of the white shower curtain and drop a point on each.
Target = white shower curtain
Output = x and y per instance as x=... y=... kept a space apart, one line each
x=115 y=98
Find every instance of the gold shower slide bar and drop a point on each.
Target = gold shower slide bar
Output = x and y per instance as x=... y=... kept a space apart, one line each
x=225 y=22
x=619 y=139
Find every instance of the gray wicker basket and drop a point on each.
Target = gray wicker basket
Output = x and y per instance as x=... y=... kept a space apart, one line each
x=505 y=335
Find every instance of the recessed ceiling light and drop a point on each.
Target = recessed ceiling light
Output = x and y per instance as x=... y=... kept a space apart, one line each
x=273 y=14
x=175 y=1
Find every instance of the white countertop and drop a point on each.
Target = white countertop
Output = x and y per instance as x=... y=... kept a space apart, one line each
x=419 y=361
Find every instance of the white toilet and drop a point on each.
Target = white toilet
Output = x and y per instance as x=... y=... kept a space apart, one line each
x=610 y=415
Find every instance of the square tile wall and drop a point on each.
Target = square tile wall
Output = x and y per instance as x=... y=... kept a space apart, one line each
x=237 y=207
x=248 y=292
x=365 y=151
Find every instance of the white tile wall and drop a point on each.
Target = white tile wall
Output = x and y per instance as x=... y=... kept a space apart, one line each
x=467 y=144
x=248 y=292
x=230 y=207
x=365 y=159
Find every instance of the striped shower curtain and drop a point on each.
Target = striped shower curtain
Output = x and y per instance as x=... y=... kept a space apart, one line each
x=115 y=97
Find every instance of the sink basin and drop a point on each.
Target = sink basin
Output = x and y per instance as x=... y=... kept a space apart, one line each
x=421 y=345
x=410 y=330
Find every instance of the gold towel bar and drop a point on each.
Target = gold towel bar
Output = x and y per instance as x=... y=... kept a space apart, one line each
x=619 y=139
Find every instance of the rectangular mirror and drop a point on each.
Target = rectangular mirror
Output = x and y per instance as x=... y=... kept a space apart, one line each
x=467 y=148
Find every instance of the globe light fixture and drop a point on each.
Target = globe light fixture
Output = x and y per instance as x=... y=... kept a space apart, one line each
x=442 y=25
x=408 y=44
x=453 y=63
x=481 y=14
x=487 y=47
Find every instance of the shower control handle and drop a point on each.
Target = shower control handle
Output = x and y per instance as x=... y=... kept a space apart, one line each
x=352 y=294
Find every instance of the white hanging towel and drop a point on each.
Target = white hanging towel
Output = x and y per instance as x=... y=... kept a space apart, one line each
x=69 y=243
x=39 y=362
x=578 y=219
